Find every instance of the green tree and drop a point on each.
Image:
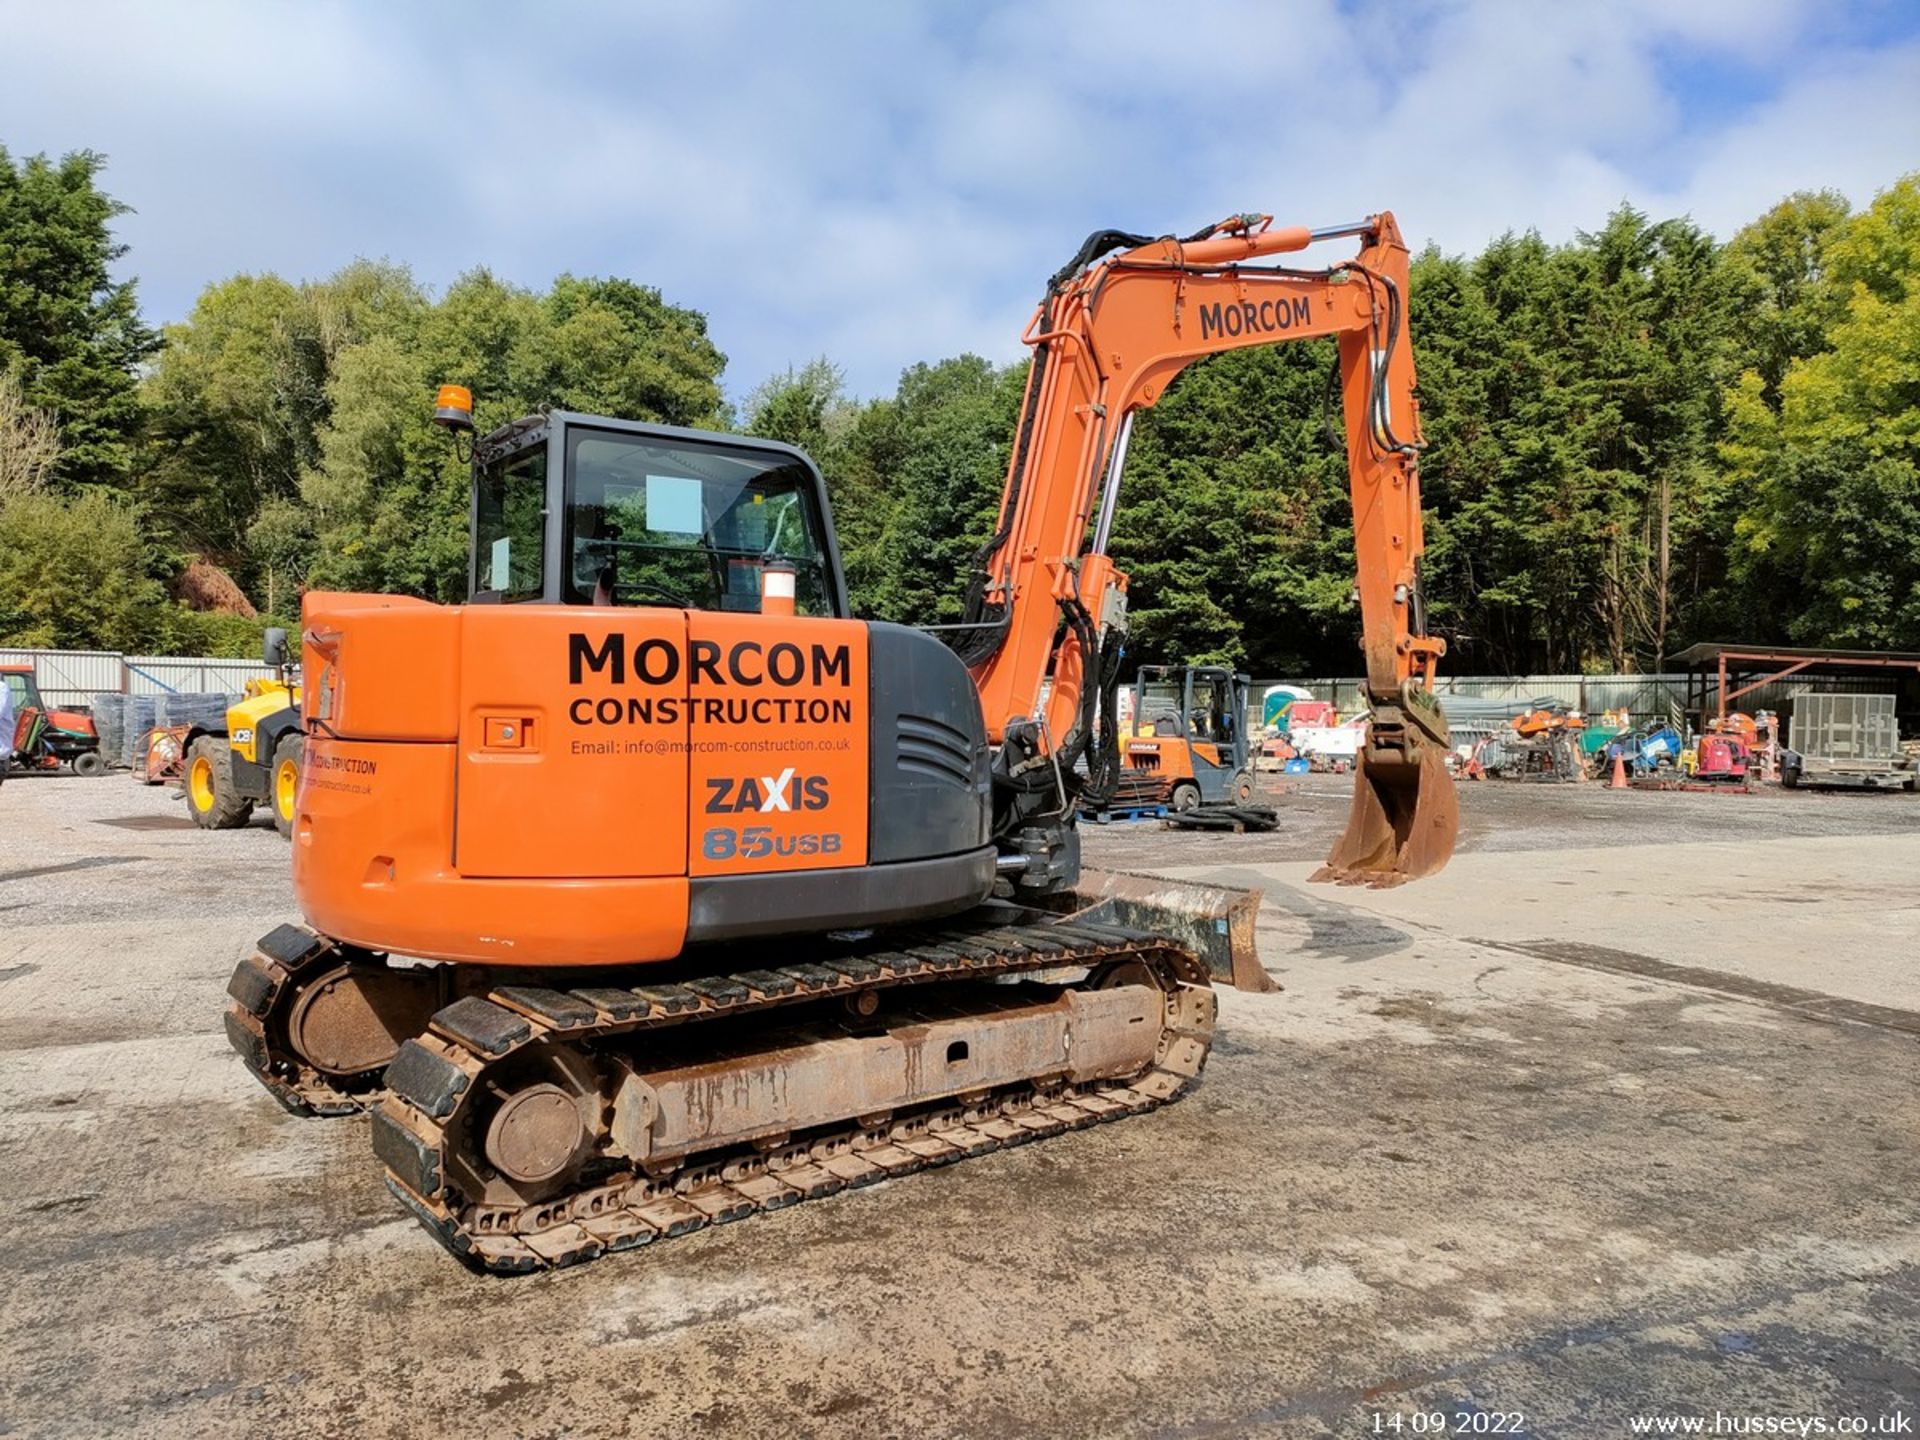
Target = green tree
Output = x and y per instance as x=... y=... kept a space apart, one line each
x=29 y=441
x=69 y=331
x=289 y=425
x=807 y=407
x=236 y=405
x=73 y=575
x=1826 y=545
x=1233 y=521
x=1571 y=396
x=618 y=348
x=940 y=453
x=1777 y=266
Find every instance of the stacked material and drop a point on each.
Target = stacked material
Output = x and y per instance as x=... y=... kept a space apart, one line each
x=1132 y=790
x=1323 y=745
x=138 y=720
x=110 y=724
x=1471 y=718
x=208 y=710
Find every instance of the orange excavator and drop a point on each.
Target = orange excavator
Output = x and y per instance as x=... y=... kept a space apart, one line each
x=650 y=889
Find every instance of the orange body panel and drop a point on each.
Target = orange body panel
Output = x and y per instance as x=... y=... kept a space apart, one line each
x=778 y=776
x=1165 y=755
x=564 y=770
x=534 y=785
x=372 y=865
x=404 y=680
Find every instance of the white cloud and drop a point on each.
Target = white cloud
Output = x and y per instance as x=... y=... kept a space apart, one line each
x=1848 y=121
x=884 y=183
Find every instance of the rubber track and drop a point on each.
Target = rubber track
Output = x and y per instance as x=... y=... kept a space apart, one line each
x=262 y=991
x=431 y=1079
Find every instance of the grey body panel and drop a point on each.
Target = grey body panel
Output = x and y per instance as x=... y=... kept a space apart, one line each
x=929 y=785
x=734 y=907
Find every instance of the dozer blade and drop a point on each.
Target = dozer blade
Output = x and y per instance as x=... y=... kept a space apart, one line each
x=1216 y=922
x=1402 y=825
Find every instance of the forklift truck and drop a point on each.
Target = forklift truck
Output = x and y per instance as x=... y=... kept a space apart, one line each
x=1190 y=732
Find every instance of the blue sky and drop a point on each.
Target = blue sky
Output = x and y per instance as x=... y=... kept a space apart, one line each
x=887 y=182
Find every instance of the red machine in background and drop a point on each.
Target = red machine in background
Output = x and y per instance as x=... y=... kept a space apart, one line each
x=1722 y=756
x=45 y=738
x=1735 y=749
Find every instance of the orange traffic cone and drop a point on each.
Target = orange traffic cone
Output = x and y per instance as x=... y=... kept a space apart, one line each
x=1619 y=772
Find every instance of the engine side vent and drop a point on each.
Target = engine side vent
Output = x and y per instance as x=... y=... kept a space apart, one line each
x=930 y=790
x=938 y=751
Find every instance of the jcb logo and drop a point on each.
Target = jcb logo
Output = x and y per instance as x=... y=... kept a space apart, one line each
x=785 y=791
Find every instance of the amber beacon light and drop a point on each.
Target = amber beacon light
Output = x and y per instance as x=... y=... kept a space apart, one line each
x=453 y=407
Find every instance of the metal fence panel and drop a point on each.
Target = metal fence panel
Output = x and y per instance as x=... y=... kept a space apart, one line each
x=70 y=677
x=1648 y=699
x=187 y=675
x=74 y=677
x=1844 y=727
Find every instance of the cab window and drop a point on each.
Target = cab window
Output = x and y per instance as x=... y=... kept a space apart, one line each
x=1161 y=705
x=689 y=526
x=510 y=507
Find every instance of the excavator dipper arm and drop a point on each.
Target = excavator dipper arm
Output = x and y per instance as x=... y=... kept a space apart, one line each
x=1108 y=337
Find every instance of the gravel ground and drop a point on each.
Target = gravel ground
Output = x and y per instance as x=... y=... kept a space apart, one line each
x=110 y=849
x=1523 y=1140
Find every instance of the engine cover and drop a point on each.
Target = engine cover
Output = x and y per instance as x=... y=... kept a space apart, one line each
x=551 y=785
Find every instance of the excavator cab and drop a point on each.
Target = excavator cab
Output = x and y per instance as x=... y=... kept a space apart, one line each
x=587 y=510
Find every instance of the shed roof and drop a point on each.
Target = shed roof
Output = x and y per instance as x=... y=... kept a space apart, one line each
x=1696 y=656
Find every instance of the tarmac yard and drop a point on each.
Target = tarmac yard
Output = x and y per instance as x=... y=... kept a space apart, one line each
x=1615 y=1118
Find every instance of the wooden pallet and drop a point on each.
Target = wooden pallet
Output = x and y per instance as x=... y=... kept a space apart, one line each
x=1124 y=812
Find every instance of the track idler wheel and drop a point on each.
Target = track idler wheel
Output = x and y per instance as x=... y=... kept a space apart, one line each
x=317 y=1023
x=1403 y=822
x=349 y=1021
x=536 y=1134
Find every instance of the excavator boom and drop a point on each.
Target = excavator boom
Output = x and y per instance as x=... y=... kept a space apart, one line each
x=1114 y=328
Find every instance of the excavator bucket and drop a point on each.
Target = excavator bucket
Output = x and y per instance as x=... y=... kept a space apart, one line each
x=1402 y=824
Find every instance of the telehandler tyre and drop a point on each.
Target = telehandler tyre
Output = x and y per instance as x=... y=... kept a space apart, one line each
x=286 y=780
x=211 y=798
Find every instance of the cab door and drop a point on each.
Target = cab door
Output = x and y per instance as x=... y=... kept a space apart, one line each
x=1212 y=758
x=573 y=742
